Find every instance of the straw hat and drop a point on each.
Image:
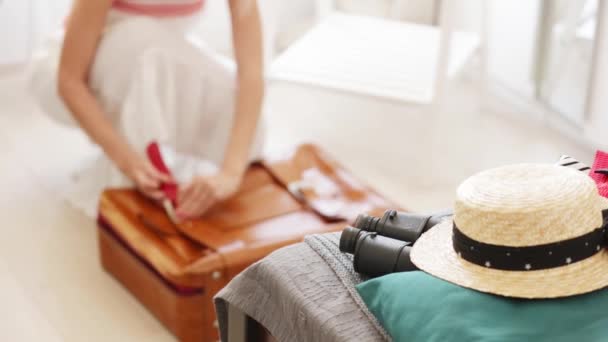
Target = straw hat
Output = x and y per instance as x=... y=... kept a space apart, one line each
x=527 y=231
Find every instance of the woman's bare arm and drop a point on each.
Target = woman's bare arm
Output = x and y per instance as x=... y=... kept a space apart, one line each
x=83 y=32
x=196 y=198
x=248 y=51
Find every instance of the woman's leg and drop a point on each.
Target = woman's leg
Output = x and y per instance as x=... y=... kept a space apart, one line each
x=218 y=92
x=157 y=85
x=134 y=83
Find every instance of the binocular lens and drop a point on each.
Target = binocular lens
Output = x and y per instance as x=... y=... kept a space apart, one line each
x=376 y=255
x=348 y=239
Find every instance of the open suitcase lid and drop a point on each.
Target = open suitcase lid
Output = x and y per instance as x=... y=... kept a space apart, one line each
x=281 y=200
x=322 y=184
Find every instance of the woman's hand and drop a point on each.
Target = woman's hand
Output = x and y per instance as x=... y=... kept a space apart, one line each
x=146 y=177
x=196 y=198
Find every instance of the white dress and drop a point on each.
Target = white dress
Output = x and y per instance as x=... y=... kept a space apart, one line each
x=156 y=82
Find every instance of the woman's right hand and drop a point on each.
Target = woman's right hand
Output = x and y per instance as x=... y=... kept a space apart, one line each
x=146 y=177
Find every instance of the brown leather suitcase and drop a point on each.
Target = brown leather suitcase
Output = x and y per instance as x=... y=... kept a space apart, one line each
x=175 y=270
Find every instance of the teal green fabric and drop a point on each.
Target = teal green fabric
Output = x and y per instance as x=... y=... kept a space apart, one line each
x=414 y=306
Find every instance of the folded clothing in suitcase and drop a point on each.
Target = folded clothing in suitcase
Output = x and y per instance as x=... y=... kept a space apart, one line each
x=175 y=270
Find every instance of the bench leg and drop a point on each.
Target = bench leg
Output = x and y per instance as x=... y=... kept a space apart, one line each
x=242 y=328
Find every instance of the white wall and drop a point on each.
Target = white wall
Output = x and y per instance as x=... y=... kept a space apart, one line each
x=510 y=35
x=417 y=11
x=25 y=23
x=14 y=31
x=510 y=29
x=597 y=125
x=511 y=43
x=47 y=16
x=467 y=15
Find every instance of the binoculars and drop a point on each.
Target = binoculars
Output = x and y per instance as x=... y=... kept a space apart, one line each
x=382 y=245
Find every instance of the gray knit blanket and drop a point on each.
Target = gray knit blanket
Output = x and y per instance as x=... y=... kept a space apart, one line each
x=303 y=292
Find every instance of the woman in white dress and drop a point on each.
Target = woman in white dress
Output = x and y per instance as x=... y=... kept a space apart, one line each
x=130 y=74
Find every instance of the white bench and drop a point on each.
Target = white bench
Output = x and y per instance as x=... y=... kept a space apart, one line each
x=372 y=56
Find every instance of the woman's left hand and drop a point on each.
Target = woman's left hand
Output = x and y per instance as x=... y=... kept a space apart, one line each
x=203 y=192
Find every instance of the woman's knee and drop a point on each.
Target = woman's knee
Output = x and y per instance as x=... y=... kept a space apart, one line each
x=123 y=43
x=136 y=31
x=120 y=50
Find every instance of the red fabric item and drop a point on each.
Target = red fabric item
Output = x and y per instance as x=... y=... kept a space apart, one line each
x=601 y=162
x=170 y=189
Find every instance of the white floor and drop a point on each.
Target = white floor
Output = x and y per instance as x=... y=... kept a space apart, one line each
x=51 y=284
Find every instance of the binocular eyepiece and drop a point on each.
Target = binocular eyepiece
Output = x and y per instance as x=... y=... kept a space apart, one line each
x=381 y=245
